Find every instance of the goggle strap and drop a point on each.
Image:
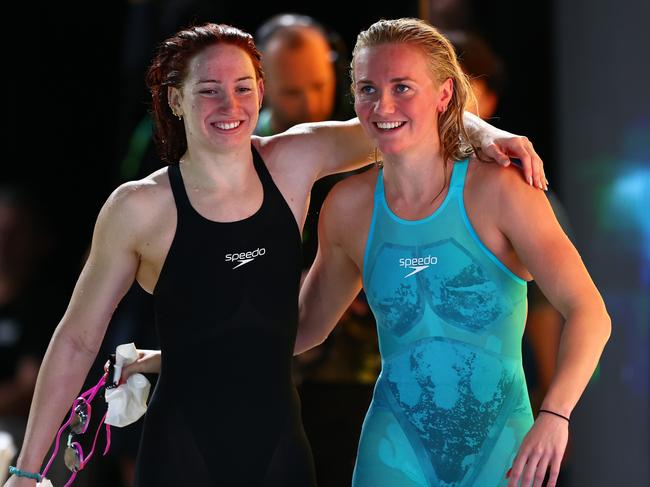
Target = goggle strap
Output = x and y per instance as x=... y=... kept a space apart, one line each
x=71 y=479
x=58 y=439
x=108 y=438
x=89 y=395
x=84 y=461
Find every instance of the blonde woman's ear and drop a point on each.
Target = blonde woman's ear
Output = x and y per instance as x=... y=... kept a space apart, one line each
x=446 y=92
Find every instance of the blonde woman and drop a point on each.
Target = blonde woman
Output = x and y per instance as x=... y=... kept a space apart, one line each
x=443 y=246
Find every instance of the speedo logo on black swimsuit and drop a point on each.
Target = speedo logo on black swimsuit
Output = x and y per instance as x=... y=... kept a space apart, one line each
x=418 y=264
x=242 y=258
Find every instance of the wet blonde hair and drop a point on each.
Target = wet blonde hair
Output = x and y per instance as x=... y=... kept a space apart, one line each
x=443 y=64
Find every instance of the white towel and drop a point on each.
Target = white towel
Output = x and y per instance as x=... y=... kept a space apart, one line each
x=127 y=402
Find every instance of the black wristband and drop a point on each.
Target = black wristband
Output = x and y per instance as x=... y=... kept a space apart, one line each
x=555 y=414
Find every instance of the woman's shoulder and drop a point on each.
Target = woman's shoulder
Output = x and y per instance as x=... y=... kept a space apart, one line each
x=140 y=191
x=347 y=210
x=497 y=195
x=355 y=191
x=141 y=199
x=489 y=180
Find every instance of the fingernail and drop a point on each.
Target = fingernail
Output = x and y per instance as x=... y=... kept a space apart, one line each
x=530 y=181
x=508 y=473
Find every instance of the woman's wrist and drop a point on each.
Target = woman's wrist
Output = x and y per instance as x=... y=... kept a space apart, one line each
x=553 y=413
x=557 y=406
x=482 y=133
x=27 y=464
x=26 y=474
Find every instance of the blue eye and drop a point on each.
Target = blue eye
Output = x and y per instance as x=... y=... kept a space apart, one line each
x=243 y=89
x=367 y=90
x=402 y=88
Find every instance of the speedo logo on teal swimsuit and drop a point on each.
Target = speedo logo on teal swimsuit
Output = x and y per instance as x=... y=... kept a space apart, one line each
x=243 y=258
x=418 y=264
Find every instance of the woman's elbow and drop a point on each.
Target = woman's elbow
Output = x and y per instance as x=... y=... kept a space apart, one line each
x=69 y=340
x=606 y=326
x=307 y=341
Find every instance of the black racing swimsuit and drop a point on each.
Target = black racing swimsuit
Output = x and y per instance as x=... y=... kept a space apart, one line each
x=225 y=411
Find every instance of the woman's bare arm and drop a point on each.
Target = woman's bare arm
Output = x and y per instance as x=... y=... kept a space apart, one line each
x=323 y=148
x=333 y=280
x=527 y=220
x=105 y=278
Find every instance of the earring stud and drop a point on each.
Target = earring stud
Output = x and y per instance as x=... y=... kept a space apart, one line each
x=174 y=113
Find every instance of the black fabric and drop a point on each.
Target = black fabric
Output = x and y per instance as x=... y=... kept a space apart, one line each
x=225 y=410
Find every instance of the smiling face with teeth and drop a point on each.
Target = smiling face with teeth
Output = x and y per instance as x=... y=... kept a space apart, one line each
x=397 y=99
x=220 y=98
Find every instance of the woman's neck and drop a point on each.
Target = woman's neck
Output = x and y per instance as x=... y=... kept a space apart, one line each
x=415 y=177
x=212 y=169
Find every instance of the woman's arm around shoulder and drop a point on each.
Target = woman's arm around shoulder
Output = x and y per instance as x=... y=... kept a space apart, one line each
x=335 y=277
x=318 y=149
x=311 y=151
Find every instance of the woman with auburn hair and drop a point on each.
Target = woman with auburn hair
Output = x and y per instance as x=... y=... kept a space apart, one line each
x=215 y=237
x=443 y=246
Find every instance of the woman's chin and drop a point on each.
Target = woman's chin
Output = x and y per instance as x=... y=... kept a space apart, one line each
x=390 y=148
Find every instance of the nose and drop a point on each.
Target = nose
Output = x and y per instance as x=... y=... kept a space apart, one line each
x=385 y=105
x=229 y=101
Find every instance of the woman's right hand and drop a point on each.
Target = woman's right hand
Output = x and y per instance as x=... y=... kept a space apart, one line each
x=148 y=362
x=14 y=481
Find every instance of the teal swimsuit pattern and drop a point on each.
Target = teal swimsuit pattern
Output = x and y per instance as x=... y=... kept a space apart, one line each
x=450 y=407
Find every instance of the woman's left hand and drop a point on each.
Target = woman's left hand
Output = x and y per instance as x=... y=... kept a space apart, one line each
x=506 y=145
x=542 y=449
x=148 y=362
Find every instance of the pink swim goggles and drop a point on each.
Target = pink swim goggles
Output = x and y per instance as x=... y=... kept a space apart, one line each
x=78 y=423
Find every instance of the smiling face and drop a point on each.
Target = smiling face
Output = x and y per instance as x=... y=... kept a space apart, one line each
x=396 y=98
x=219 y=99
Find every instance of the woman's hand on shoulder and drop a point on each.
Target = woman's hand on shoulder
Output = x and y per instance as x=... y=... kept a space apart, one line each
x=500 y=146
x=506 y=147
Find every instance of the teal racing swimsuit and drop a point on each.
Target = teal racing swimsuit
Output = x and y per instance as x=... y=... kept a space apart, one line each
x=450 y=407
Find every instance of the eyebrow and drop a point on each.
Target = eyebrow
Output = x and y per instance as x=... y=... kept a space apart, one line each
x=243 y=78
x=392 y=80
